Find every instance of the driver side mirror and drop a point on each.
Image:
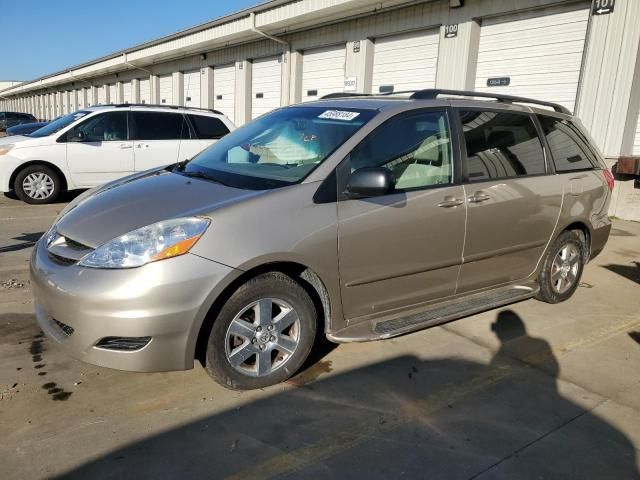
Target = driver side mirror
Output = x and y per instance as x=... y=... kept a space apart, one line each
x=77 y=136
x=370 y=182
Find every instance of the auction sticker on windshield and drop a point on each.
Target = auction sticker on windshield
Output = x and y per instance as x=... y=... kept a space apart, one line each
x=338 y=115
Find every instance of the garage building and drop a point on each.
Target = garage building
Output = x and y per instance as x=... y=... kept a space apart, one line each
x=579 y=53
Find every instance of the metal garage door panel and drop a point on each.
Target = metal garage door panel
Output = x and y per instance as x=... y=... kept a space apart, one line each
x=145 y=90
x=113 y=97
x=127 y=93
x=266 y=84
x=192 y=88
x=322 y=72
x=81 y=98
x=407 y=61
x=539 y=51
x=224 y=90
x=166 y=89
x=636 y=142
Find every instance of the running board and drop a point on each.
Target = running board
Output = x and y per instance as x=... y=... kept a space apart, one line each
x=434 y=314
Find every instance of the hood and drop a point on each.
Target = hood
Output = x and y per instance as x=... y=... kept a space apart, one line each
x=137 y=201
x=13 y=139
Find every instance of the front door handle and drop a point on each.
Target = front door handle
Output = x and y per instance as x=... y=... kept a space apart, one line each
x=450 y=201
x=124 y=146
x=478 y=197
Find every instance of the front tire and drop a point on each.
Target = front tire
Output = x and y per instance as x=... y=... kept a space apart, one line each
x=37 y=184
x=562 y=268
x=263 y=333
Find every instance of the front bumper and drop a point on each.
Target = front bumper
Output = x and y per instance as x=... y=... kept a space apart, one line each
x=164 y=300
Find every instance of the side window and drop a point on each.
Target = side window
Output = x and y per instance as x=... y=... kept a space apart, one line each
x=567 y=154
x=160 y=126
x=107 y=127
x=501 y=145
x=416 y=147
x=208 y=127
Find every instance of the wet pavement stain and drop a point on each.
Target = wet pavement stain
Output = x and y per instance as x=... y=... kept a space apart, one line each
x=36 y=349
x=311 y=374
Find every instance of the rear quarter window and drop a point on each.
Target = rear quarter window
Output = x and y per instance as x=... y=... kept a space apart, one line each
x=208 y=127
x=568 y=155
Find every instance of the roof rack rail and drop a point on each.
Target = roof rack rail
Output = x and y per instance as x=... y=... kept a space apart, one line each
x=175 y=107
x=344 y=95
x=432 y=93
x=355 y=94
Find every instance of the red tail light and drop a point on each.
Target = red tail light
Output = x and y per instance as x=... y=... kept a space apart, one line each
x=609 y=178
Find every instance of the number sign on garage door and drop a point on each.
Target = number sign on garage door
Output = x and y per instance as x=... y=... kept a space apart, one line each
x=266 y=83
x=322 y=72
x=539 y=51
x=192 y=88
x=145 y=91
x=224 y=90
x=166 y=89
x=404 y=62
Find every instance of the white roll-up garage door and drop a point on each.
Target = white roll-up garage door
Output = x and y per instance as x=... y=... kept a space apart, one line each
x=166 y=89
x=266 y=84
x=113 y=97
x=145 y=91
x=82 y=101
x=192 y=88
x=322 y=71
x=406 y=61
x=535 y=54
x=224 y=90
x=102 y=96
x=127 y=93
x=636 y=142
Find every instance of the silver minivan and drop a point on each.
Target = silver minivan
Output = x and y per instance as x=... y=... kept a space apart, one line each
x=360 y=218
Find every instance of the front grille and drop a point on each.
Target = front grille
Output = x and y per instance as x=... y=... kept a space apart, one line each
x=65 y=251
x=61 y=260
x=125 y=344
x=66 y=329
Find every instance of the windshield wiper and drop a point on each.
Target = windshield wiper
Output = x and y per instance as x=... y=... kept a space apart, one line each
x=202 y=175
x=181 y=165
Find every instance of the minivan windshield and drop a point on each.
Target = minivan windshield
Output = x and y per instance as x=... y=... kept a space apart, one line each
x=278 y=149
x=59 y=123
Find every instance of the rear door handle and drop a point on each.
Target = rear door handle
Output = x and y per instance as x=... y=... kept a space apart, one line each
x=478 y=197
x=124 y=146
x=449 y=202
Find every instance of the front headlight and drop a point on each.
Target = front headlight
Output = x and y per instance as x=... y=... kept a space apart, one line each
x=4 y=149
x=159 y=241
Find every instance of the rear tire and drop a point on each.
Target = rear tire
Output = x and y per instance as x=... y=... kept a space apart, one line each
x=263 y=333
x=562 y=268
x=37 y=185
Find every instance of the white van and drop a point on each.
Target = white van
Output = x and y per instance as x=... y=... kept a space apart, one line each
x=98 y=144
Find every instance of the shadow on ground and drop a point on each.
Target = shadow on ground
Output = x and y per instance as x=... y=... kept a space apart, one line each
x=64 y=197
x=631 y=271
x=27 y=240
x=403 y=417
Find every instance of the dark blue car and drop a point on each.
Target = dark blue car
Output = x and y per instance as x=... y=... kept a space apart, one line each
x=25 y=128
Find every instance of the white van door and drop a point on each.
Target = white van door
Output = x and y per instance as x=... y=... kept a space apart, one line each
x=101 y=151
x=157 y=138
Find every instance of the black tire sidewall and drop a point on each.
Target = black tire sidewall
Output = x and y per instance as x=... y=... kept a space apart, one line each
x=547 y=292
x=22 y=195
x=276 y=285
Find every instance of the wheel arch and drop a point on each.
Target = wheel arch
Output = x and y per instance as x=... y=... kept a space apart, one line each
x=305 y=276
x=54 y=167
x=583 y=230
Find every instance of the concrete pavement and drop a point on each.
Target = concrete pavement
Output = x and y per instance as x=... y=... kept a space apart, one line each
x=527 y=391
